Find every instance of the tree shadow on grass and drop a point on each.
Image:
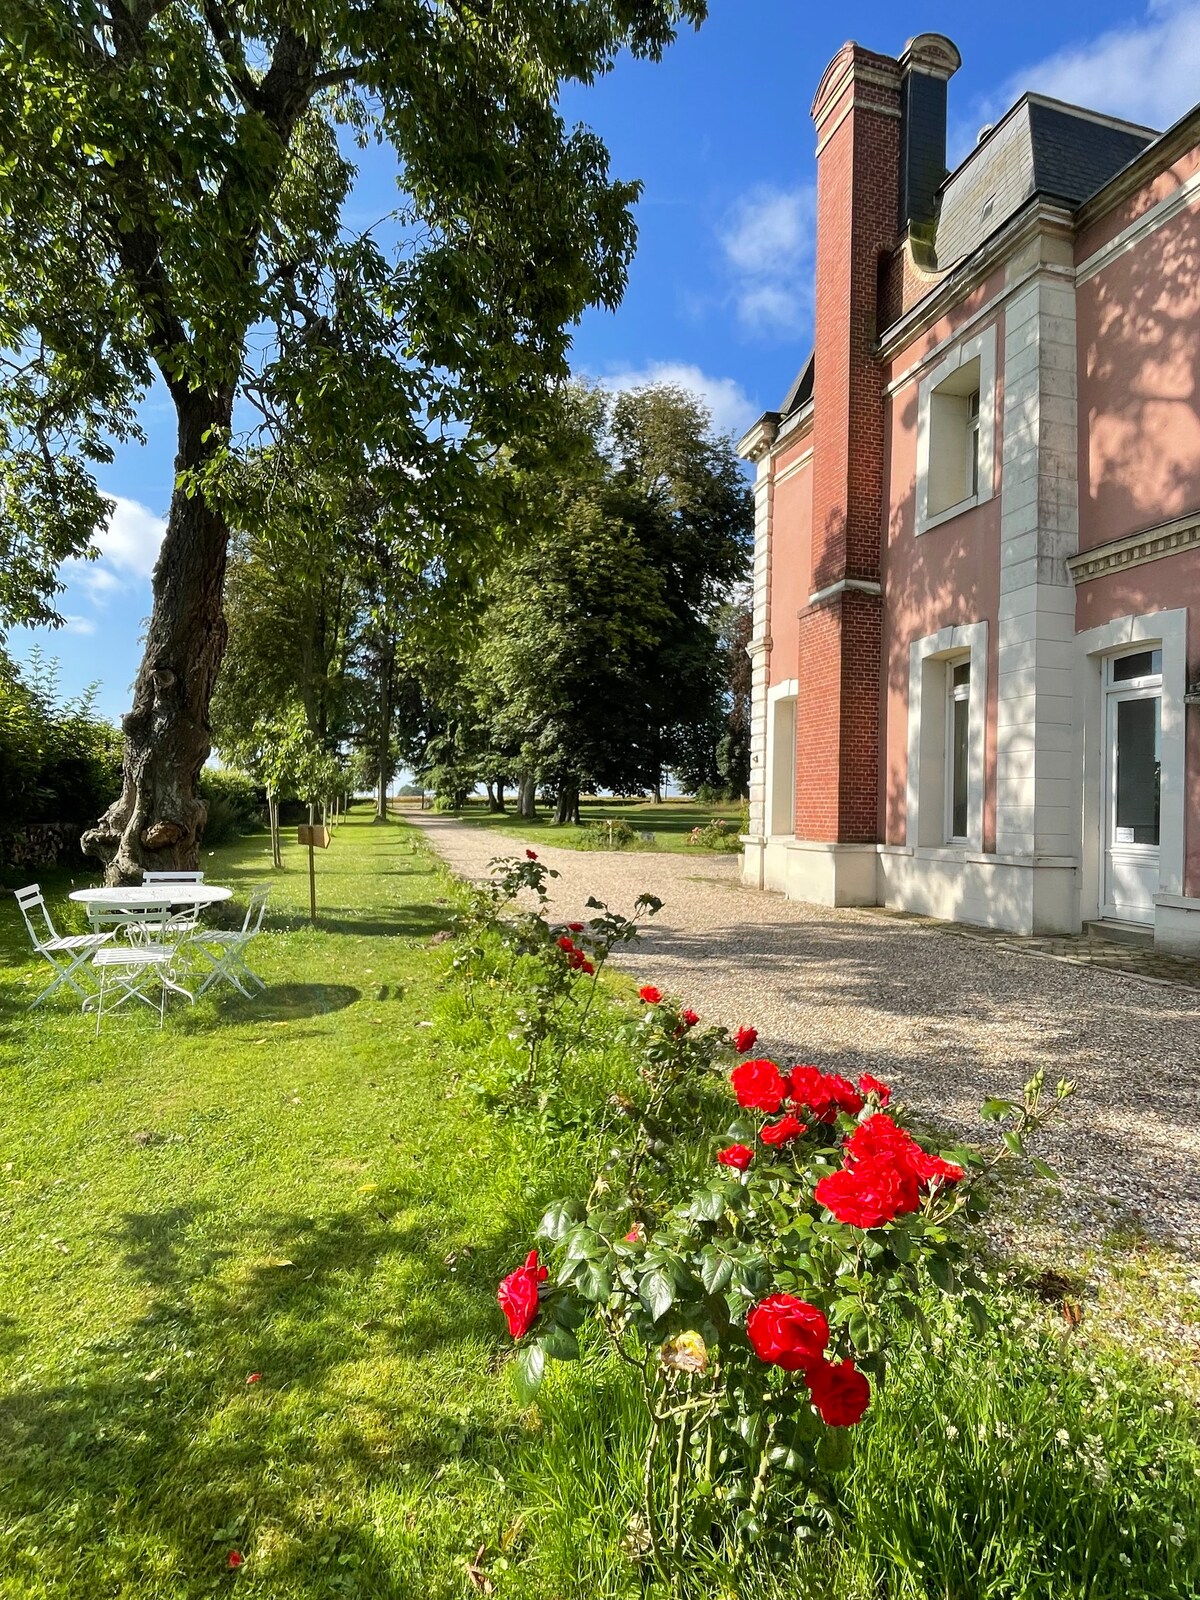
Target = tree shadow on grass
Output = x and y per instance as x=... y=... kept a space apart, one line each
x=153 y=1454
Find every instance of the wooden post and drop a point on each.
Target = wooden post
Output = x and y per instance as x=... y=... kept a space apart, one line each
x=315 y=836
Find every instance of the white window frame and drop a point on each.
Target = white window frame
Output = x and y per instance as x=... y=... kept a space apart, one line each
x=982 y=347
x=953 y=695
x=927 y=785
x=776 y=812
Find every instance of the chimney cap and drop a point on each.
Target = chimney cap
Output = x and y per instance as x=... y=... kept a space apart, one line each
x=931 y=53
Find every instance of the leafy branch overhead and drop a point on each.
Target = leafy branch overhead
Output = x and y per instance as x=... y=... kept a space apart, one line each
x=172 y=181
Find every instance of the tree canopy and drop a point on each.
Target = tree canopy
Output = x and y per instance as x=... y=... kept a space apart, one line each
x=173 y=178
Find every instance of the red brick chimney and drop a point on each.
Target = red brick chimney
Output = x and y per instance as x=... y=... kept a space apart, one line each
x=858 y=117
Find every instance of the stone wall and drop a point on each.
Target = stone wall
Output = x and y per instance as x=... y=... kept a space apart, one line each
x=41 y=844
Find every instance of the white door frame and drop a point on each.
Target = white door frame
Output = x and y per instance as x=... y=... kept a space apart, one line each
x=1142 y=856
x=1165 y=630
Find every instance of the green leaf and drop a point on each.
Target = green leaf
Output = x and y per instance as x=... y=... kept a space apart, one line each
x=993 y=1110
x=715 y=1270
x=942 y=1273
x=977 y=1311
x=528 y=1371
x=560 y=1343
x=1043 y=1170
x=657 y=1293
x=594 y=1283
x=561 y=1215
x=835 y=1451
x=1014 y=1141
x=708 y=1205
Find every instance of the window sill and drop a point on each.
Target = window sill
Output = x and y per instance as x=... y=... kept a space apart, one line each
x=956 y=510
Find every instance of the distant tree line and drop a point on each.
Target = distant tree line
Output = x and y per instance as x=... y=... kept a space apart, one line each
x=589 y=634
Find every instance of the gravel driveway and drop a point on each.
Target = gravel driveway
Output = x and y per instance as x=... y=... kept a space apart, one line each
x=947 y=1020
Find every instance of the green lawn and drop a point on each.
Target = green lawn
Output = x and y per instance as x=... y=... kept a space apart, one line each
x=309 y=1188
x=670 y=823
x=297 y=1187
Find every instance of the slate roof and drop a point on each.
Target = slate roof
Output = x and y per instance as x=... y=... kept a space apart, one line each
x=801 y=391
x=1041 y=146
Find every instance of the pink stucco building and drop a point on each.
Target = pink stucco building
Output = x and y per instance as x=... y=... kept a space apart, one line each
x=977 y=562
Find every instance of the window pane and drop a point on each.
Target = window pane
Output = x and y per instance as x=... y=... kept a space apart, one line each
x=958 y=786
x=962 y=675
x=1138 y=732
x=1143 y=664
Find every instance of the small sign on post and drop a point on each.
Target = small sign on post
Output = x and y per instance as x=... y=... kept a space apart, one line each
x=316 y=836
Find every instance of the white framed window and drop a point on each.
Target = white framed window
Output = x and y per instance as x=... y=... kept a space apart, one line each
x=956 y=426
x=947 y=716
x=958 y=749
x=781 y=759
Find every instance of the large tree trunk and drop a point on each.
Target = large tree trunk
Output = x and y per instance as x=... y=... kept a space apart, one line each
x=387 y=670
x=158 y=820
x=526 y=796
x=567 y=807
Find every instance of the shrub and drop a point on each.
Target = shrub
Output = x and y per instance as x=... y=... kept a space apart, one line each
x=611 y=833
x=234 y=804
x=716 y=835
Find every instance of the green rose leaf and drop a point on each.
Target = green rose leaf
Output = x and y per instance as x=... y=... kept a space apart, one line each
x=835 y=1450
x=528 y=1371
x=558 y=1219
x=657 y=1293
x=942 y=1273
x=715 y=1271
x=560 y=1344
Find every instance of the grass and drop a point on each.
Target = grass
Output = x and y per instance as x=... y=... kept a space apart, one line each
x=670 y=823
x=307 y=1188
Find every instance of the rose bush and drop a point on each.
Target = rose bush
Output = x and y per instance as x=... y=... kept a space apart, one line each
x=758 y=1304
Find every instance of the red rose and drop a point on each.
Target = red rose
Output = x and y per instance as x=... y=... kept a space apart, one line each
x=760 y=1085
x=870 y=1085
x=566 y=943
x=531 y=855
x=518 y=1295
x=787 y=1332
x=824 y=1093
x=574 y=927
x=650 y=994
x=881 y=1138
x=784 y=1131
x=636 y=1234
x=586 y=966
x=745 y=1039
x=839 y=1391
x=255 y=1377
x=869 y=1193
x=689 y=1018
x=235 y=1559
x=737 y=1155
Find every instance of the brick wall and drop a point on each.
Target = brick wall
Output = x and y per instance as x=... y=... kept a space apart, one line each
x=856 y=112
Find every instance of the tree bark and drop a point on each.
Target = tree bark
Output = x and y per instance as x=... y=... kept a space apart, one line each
x=526 y=796
x=500 y=794
x=158 y=820
x=387 y=672
x=567 y=807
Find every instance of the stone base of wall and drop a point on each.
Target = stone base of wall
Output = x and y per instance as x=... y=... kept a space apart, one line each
x=1177 y=924
x=987 y=891
x=824 y=874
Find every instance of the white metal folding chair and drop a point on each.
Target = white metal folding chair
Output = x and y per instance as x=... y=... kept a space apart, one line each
x=225 y=950
x=132 y=968
x=185 y=919
x=66 y=953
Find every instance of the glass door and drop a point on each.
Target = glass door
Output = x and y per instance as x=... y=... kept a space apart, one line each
x=1132 y=785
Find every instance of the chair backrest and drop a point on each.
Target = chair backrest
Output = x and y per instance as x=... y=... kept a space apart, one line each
x=144 y=924
x=172 y=877
x=256 y=910
x=30 y=901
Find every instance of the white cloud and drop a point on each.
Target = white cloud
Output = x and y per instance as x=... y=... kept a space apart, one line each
x=72 y=624
x=1147 y=71
x=128 y=545
x=732 y=408
x=768 y=242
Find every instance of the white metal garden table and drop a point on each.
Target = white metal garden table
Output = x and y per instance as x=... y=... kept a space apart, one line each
x=138 y=896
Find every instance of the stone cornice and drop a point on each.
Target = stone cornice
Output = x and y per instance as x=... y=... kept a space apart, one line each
x=757 y=441
x=1136 y=550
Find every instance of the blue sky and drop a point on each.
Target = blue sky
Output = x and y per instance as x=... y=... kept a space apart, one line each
x=720 y=294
